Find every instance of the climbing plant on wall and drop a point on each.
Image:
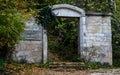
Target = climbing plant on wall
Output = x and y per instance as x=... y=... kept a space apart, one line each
x=115 y=33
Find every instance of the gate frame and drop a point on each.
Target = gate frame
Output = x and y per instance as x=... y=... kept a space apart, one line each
x=66 y=10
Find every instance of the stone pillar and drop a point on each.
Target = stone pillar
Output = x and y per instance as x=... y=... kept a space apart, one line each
x=99 y=47
x=82 y=34
x=45 y=46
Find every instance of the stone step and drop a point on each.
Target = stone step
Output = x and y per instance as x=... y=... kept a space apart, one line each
x=66 y=65
x=64 y=69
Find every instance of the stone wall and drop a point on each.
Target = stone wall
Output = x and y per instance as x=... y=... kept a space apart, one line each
x=28 y=51
x=94 y=36
x=30 y=48
x=98 y=38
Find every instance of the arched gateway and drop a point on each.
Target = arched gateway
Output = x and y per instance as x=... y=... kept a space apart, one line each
x=66 y=10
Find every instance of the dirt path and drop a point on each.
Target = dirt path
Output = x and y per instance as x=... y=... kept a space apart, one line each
x=78 y=72
x=50 y=72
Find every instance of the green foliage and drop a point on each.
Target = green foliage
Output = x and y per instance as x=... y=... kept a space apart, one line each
x=10 y=29
x=1 y=63
x=14 y=68
x=115 y=33
x=116 y=28
x=89 y=5
x=24 y=7
x=97 y=65
x=47 y=64
x=63 y=39
x=45 y=17
x=116 y=55
x=11 y=26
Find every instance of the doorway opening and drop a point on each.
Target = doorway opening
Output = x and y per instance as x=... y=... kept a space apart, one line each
x=63 y=41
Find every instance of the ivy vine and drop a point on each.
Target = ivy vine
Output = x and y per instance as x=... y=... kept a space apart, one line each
x=45 y=16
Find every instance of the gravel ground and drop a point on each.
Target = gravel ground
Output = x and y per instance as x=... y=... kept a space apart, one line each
x=74 y=72
x=50 y=72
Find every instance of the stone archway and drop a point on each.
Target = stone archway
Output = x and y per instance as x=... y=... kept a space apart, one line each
x=66 y=10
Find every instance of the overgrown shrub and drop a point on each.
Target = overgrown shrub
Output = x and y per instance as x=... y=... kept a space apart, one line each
x=11 y=28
